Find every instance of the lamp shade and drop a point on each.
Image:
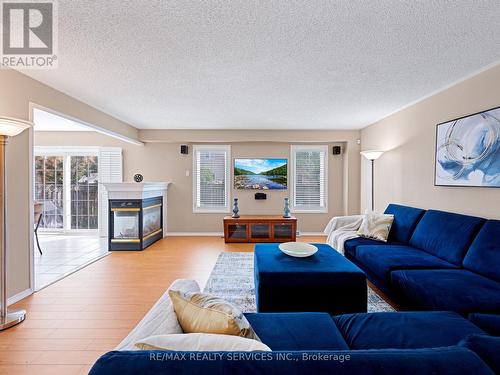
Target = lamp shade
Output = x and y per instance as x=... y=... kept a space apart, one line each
x=12 y=127
x=372 y=154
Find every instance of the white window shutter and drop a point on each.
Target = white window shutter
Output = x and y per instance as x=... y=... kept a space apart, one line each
x=211 y=178
x=309 y=178
x=110 y=170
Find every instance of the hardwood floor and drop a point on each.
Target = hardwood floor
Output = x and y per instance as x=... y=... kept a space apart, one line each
x=72 y=322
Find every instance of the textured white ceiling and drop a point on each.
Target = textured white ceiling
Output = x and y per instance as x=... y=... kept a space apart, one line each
x=278 y=64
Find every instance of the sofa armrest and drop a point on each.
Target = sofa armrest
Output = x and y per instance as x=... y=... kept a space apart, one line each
x=161 y=319
x=489 y=323
x=351 y=222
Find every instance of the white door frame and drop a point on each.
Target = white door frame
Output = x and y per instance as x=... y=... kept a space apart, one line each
x=31 y=198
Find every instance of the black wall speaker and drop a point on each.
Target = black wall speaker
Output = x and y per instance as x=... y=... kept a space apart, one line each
x=336 y=150
x=260 y=196
x=184 y=149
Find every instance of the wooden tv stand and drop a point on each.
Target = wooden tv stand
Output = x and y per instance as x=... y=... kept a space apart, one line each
x=260 y=228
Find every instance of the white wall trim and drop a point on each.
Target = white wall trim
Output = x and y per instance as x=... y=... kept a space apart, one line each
x=221 y=234
x=302 y=234
x=31 y=199
x=195 y=234
x=62 y=150
x=96 y=128
x=19 y=296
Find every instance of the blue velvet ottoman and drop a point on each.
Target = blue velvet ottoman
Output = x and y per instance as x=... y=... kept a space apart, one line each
x=324 y=282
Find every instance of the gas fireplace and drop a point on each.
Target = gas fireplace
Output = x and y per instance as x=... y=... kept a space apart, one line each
x=135 y=224
x=135 y=214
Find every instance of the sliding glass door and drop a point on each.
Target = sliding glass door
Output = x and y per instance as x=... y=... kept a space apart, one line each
x=49 y=190
x=67 y=186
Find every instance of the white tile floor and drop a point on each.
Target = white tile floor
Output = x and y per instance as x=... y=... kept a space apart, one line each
x=64 y=254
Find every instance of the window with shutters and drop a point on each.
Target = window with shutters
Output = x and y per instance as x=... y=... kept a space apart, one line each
x=110 y=170
x=211 y=178
x=309 y=187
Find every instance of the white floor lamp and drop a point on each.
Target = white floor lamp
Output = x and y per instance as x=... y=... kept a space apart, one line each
x=372 y=155
x=8 y=128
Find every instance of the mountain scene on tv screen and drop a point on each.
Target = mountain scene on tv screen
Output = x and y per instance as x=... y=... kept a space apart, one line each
x=260 y=174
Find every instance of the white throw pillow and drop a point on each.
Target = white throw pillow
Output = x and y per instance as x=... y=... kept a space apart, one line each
x=201 y=342
x=376 y=226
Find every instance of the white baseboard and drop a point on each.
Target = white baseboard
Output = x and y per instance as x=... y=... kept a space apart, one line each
x=19 y=296
x=312 y=234
x=195 y=234
x=220 y=234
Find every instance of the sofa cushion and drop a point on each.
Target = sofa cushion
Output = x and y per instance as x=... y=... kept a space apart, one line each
x=381 y=260
x=351 y=245
x=405 y=220
x=486 y=347
x=297 y=331
x=483 y=256
x=404 y=330
x=454 y=290
x=446 y=235
x=490 y=323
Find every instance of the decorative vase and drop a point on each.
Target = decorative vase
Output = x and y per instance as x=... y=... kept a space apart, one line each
x=286 y=212
x=235 y=209
x=138 y=177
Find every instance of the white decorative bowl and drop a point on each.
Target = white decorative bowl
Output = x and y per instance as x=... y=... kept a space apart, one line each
x=298 y=249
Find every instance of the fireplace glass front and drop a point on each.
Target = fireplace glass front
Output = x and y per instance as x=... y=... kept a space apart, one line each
x=152 y=220
x=126 y=224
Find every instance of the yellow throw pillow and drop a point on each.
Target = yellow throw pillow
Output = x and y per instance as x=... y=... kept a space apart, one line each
x=203 y=313
x=201 y=342
x=376 y=226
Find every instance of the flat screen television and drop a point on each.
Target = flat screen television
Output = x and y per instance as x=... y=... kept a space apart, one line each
x=261 y=174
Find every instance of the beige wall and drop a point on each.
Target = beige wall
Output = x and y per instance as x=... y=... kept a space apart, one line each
x=162 y=161
x=17 y=93
x=405 y=173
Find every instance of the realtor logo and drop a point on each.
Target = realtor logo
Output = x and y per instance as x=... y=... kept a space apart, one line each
x=28 y=34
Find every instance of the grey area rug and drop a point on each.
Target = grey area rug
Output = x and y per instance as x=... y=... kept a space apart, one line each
x=232 y=280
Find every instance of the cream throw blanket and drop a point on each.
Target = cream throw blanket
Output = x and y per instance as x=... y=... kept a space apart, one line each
x=341 y=229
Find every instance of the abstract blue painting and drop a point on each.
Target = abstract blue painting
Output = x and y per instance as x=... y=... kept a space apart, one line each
x=468 y=151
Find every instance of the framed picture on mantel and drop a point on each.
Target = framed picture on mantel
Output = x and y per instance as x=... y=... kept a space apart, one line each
x=468 y=151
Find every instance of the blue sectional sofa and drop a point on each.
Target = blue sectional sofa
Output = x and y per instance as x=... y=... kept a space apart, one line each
x=443 y=262
x=434 y=260
x=317 y=343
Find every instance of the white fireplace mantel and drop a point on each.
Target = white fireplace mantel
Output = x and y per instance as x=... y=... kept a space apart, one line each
x=139 y=190
x=135 y=190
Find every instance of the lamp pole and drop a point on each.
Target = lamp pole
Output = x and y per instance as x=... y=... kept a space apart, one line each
x=373 y=184
x=372 y=155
